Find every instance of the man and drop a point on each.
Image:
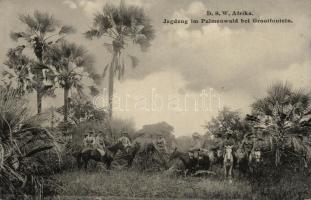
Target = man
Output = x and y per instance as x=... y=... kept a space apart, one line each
x=91 y=139
x=99 y=144
x=88 y=141
x=197 y=144
x=247 y=143
x=161 y=144
x=229 y=140
x=124 y=139
x=84 y=143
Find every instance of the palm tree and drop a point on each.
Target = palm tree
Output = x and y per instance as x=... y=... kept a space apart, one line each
x=16 y=73
x=22 y=140
x=69 y=62
x=41 y=31
x=120 y=25
x=286 y=114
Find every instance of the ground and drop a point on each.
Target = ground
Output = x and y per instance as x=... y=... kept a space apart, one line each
x=131 y=184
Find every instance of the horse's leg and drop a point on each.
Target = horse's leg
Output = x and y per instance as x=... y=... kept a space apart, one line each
x=108 y=164
x=225 y=170
x=79 y=161
x=85 y=163
x=230 y=172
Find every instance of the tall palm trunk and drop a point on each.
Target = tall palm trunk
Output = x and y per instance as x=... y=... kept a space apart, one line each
x=39 y=89
x=111 y=82
x=39 y=101
x=66 y=93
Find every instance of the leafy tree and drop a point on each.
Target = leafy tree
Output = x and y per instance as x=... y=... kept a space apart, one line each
x=42 y=30
x=119 y=25
x=150 y=132
x=81 y=110
x=227 y=121
x=17 y=71
x=69 y=62
x=286 y=115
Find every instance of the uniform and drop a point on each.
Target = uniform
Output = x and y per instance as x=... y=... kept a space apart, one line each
x=197 y=144
x=99 y=145
x=125 y=141
x=247 y=144
x=88 y=142
x=161 y=145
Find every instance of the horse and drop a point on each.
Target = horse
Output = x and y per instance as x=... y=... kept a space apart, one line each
x=228 y=162
x=146 y=155
x=132 y=151
x=83 y=157
x=241 y=160
x=204 y=162
x=255 y=159
x=215 y=157
x=188 y=162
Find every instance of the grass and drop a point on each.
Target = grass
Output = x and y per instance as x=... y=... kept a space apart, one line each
x=133 y=184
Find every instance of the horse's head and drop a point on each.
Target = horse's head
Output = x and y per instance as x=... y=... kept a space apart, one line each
x=174 y=154
x=240 y=154
x=115 y=147
x=228 y=157
x=219 y=153
x=211 y=155
x=135 y=147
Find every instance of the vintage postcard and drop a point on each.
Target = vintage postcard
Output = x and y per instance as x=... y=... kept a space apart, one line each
x=162 y=99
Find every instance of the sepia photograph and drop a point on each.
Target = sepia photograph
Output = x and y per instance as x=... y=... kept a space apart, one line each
x=155 y=99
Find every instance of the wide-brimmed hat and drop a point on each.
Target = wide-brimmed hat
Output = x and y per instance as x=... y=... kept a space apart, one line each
x=196 y=135
x=260 y=126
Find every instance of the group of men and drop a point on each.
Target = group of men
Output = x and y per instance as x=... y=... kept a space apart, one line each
x=248 y=143
x=94 y=140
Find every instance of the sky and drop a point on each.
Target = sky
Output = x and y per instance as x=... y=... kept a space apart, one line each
x=224 y=64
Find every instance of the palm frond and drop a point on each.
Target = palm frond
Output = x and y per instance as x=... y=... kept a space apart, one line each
x=105 y=70
x=65 y=29
x=92 y=34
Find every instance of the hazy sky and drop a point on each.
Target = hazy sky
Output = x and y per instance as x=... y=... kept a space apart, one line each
x=236 y=63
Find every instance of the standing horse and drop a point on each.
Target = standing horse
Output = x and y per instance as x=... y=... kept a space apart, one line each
x=204 y=162
x=241 y=159
x=228 y=162
x=255 y=159
x=188 y=162
x=216 y=157
x=132 y=151
x=93 y=154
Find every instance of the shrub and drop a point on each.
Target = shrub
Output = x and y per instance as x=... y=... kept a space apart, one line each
x=22 y=140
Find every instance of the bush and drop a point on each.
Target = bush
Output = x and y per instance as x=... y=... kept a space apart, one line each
x=22 y=140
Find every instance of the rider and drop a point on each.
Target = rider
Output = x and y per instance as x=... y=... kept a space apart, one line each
x=124 y=139
x=88 y=141
x=84 y=143
x=99 y=144
x=161 y=144
x=247 y=143
x=229 y=140
x=197 y=144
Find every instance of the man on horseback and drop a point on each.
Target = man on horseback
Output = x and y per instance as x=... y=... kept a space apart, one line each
x=197 y=144
x=99 y=144
x=247 y=143
x=124 y=140
x=88 y=141
x=160 y=144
